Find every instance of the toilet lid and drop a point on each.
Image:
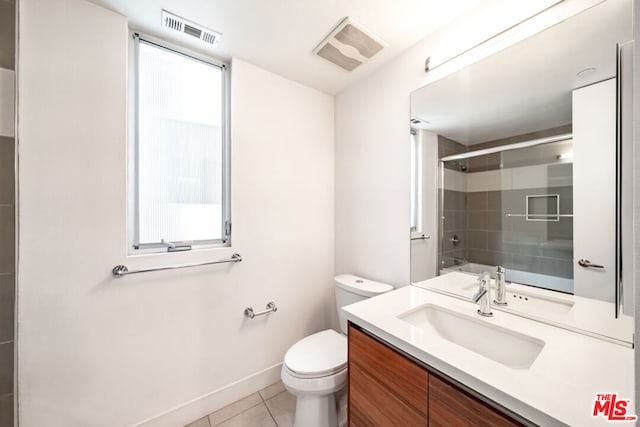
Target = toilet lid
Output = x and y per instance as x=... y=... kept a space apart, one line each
x=320 y=354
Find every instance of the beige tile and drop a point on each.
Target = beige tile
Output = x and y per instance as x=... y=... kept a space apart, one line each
x=282 y=408
x=268 y=392
x=234 y=409
x=202 y=422
x=258 y=416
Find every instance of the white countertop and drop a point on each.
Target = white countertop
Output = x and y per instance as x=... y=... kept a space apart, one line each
x=585 y=314
x=558 y=388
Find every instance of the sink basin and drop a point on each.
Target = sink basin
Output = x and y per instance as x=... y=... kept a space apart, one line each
x=502 y=345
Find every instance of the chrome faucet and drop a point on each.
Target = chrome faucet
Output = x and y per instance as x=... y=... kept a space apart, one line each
x=501 y=287
x=483 y=296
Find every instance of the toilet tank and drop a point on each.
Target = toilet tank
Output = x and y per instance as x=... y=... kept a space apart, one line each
x=351 y=289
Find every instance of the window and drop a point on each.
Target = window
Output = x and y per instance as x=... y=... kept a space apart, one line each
x=416 y=178
x=180 y=169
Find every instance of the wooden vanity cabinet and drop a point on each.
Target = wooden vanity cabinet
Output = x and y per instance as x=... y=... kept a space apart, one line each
x=451 y=406
x=388 y=389
x=385 y=388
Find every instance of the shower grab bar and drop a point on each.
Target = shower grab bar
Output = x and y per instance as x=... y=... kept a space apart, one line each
x=122 y=270
x=501 y=148
x=423 y=237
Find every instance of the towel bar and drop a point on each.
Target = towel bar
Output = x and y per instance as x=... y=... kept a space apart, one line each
x=122 y=270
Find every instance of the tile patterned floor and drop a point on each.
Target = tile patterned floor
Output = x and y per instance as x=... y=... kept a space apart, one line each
x=270 y=407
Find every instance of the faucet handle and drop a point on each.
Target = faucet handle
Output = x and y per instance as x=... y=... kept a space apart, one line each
x=478 y=295
x=500 y=269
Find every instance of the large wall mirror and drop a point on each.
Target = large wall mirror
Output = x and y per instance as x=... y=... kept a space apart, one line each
x=523 y=160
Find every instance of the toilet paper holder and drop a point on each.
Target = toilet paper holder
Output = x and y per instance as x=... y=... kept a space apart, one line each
x=271 y=306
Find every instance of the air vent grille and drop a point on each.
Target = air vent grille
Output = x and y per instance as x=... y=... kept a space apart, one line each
x=181 y=25
x=349 y=45
x=209 y=38
x=172 y=23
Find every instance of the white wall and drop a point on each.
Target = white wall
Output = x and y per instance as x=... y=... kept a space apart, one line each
x=372 y=141
x=424 y=253
x=636 y=200
x=594 y=123
x=99 y=351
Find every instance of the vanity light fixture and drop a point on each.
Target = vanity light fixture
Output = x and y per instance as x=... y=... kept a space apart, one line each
x=457 y=53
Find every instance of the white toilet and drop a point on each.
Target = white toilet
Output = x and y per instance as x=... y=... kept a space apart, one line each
x=315 y=367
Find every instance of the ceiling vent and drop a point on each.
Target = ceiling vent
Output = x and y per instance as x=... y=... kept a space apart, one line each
x=349 y=45
x=181 y=25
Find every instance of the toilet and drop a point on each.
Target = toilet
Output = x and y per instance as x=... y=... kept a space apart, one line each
x=315 y=368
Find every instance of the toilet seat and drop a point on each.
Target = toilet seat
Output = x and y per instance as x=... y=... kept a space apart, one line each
x=319 y=355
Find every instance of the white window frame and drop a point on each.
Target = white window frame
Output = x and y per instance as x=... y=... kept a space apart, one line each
x=416 y=182
x=134 y=247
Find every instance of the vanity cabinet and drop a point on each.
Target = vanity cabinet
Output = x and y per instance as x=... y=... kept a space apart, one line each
x=385 y=388
x=388 y=389
x=451 y=406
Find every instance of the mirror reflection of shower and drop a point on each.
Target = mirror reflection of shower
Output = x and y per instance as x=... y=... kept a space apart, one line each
x=509 y=204
x=458 y=165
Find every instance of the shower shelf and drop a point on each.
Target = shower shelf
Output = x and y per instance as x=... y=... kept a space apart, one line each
x=541 y=215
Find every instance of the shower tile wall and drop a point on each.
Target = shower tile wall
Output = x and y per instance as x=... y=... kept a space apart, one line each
x=454 y=211
x=7 y=228
x=487 y=235
x=542 y=247
x=454 y=224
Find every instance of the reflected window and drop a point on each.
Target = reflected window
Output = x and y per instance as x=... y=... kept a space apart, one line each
x=416 y=179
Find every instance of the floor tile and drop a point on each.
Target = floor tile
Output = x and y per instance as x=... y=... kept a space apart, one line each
x=258 y=416
x=268 y=392
x=282 y=408
x=234 y=409
x=202 y=422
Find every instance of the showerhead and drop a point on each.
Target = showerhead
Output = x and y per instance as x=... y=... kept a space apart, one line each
x=460 y=165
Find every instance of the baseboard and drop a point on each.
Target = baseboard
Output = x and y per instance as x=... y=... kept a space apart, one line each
x=212 y=401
